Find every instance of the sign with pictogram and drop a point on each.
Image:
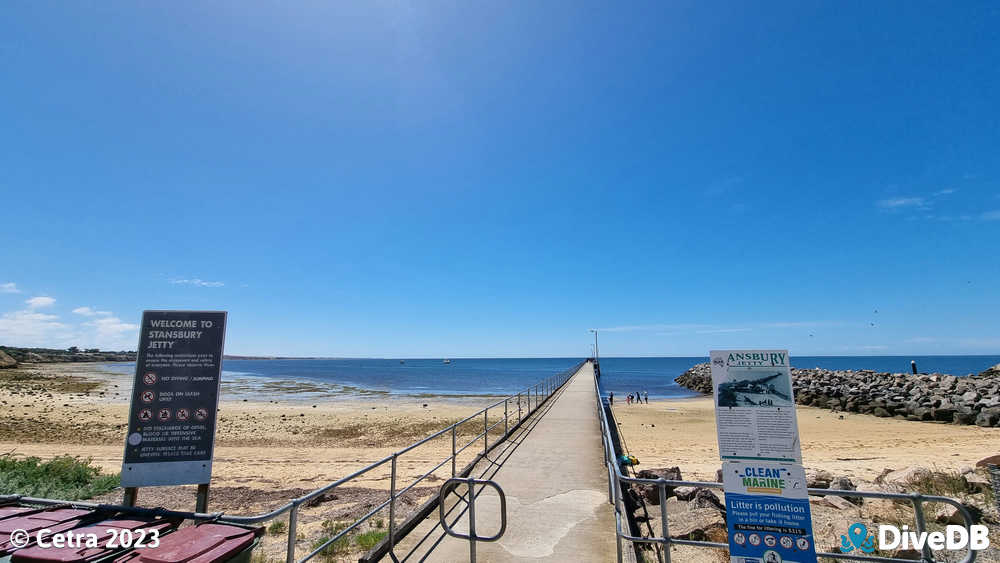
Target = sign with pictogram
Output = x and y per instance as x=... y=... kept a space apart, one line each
x=180 y=353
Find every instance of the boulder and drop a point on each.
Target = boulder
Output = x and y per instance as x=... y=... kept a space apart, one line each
x=818 y=479
x=986 y=461
x=977 y=483
x=988 y=417
x=903 y=476
x=706 y=498
x=651 y=492
x=840 y=503
x=993 y=371
x=685 y=493
x=6 y=362
x=695 y=524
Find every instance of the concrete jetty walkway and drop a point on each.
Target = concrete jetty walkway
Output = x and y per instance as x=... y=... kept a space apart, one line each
x=556 y=485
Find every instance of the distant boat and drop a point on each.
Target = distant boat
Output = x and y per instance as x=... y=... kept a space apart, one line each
x=402 y=361
x=447 y=361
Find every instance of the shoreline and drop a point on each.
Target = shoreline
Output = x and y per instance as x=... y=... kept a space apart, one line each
x=268 y=452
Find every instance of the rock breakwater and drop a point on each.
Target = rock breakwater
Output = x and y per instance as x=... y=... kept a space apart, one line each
x=935 y=397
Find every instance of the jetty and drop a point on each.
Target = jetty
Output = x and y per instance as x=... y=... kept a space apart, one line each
x=553 y=475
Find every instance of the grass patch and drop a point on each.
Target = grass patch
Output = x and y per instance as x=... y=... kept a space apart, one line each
x=940 y=483
x=63 y=477
x=277 y=528
x=370 y=539
x=339 y=547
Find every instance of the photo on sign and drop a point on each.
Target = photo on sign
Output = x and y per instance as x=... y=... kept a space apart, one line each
x=755 y=387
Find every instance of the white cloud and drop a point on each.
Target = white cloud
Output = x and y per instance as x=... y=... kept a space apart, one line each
x=33 y=329
x=9 y=287
x=946 y=191
x=40 y=301
x=902 y=202
x=112 y=329
x=722 y=330
x=991 y=215
x=88 y=312
x=197 y=282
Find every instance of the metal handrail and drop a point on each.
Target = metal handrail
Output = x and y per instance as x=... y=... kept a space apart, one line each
x=615 y=498
x=472 y=536
x=541 y=391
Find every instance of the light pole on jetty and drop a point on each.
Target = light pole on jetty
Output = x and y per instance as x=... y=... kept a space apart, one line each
x=596 y=352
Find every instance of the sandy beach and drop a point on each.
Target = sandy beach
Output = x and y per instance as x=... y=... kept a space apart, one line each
x=267 y=452
x=682 y=433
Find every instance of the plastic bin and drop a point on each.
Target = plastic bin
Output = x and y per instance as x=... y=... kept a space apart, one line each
x=204 y=543
x=34 y=519
x=83 y=554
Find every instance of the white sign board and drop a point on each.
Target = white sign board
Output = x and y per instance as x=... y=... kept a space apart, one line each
x=754 y=405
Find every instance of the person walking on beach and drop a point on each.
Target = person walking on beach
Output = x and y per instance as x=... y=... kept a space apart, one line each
x=628 y=400
x=645 y=396
x=638 y=398
x=611 y=398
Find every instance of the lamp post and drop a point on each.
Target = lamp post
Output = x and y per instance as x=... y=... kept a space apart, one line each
x=596 y=353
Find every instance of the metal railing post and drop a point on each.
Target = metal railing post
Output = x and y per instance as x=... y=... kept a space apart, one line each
x=506 y=421
x=293 y=521
x=472 y=521
x=918 y=515
x=454 y=453
x=486 y=432
x=519 y=408
x=392 y=507
x=663 y=522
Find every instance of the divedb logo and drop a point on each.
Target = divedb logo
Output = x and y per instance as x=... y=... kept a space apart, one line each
x=976 y=538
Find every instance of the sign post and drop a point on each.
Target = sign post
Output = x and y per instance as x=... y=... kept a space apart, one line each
x=175 y=397
x=767 y=503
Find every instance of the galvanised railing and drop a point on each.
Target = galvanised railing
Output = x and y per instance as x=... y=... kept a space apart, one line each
x=526 y=402
x=664 y=541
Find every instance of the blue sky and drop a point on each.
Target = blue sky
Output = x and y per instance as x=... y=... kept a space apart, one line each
x=493 y=179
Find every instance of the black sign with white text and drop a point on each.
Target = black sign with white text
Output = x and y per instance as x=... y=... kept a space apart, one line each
x=176 y=392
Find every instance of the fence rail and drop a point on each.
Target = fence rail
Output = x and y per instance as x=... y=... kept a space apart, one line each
x=664 y=541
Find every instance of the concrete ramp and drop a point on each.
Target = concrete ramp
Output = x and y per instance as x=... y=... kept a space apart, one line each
x=552 y=471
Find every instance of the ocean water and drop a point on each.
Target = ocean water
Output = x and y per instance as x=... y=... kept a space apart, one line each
x=656 y=375
x=467 y=377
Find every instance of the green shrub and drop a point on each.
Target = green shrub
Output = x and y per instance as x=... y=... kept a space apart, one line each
x=370 y=539
x=277 y=528
x=339 y=547
x=64 y=477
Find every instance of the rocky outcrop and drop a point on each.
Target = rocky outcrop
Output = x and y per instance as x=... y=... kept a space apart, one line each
x=993 y=371
x=48 y=355
x=974 y=399
x=6 y=362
